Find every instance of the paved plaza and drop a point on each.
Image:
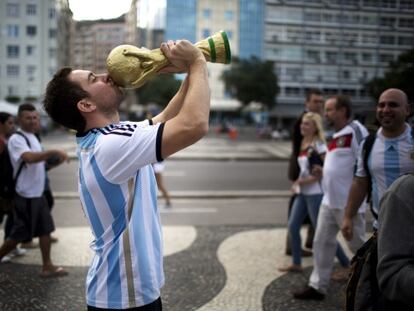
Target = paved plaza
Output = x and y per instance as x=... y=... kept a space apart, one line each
x=209 y=266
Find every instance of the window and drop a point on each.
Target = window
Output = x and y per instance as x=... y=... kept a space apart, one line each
x=313 y=56
x=331 y=57
x=346 y=74
x=207 y=13
x=350 y=57
x=12 y=51
x=387 y=21
x=407 y=4
x=30 y=70
x=13 y=31
x=52 y=33
x=386 y=58
x=228 y=15
x=406 y=41
x=52 y=13
x=12 y=90
x=293 y=74
x=52 y=54
x=13 y=71
x=31 y=31
x=206 y=33
x=12 y=9
x=406 y=23
x=367 y=57
x=31 y=9
x=292 y=91
x=30 y=50
x=312 y=16
x=387 y=40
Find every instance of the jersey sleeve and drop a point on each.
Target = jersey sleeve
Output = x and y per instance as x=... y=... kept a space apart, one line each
x=321 y=147
x=360 y=170
x=121 y=153
x=16 y=146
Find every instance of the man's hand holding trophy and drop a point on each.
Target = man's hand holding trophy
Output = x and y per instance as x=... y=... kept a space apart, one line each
x=131 y=67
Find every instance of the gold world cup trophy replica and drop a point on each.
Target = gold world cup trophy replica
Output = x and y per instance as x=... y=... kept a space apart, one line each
x=130 y=66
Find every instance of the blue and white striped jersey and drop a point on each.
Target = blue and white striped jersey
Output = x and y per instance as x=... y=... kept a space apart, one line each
x=118 y=193
x=388 y=159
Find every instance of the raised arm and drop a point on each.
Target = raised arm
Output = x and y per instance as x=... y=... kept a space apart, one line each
x=174 y=106
x=191 y=122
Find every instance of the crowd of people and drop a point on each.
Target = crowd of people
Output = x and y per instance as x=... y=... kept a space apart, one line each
x=336 y=181
x=331 y=182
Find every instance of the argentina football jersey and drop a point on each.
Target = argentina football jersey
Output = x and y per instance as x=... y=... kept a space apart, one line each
x=118 y=193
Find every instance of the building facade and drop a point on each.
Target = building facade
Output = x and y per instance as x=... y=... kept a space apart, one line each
x=195 y=20
x=94 y=40
x=335 y=46
x=30 y=49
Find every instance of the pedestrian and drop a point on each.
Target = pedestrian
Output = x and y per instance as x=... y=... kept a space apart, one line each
x=158 y=169
x=309 y=193
x=313 y=103
x=395 y=259
x=31 y=216
x=7 y=128
x=337 y=178
x=391 y=156
x=117 y=185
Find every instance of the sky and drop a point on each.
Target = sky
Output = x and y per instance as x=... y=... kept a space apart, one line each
x=98 y=9
x=106 y=9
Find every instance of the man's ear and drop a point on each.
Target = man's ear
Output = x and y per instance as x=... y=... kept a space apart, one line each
x=85 y=105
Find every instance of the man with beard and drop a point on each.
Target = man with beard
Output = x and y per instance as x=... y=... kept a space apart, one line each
x=391 y=155
x=117 y=186
x=338 y=172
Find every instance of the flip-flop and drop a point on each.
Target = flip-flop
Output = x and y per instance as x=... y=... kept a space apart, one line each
x=57 y=272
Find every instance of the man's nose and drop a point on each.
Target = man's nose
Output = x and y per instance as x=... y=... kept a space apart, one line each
x=104 y=77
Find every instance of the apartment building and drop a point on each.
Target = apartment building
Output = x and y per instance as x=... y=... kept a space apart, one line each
x=34 y=42
x=335 y=45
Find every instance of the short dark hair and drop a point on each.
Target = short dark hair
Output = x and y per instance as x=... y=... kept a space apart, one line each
x=61 y=98
x=25 y=107
x=4 y=116
x=311 y=92
x=343 y=101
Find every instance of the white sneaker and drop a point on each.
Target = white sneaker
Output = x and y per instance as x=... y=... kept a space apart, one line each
x=18 y=251
x=6 y=259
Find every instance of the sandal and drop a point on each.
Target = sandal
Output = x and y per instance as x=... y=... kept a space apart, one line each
x=55 y=273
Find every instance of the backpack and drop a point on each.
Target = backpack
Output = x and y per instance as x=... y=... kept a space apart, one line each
x=8 y=182
x=362 y=290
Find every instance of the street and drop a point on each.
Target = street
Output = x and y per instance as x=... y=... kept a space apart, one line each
x=206 y=175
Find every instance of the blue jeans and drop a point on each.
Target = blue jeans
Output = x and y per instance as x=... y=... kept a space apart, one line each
x=302 y=206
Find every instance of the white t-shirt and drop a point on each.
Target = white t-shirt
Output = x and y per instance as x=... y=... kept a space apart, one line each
x=118 y=192
x=316 y=187
x=31 y=181
x=339 y=165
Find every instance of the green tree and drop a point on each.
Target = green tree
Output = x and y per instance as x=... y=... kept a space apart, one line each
x=400 y=74
x=251 y=80
x=159 y=90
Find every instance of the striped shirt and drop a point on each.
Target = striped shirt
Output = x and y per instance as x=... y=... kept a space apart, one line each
x=118 y=193
x=388 y=159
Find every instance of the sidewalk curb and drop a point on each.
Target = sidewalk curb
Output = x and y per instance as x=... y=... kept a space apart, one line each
x=177 y=157
x=201 y=194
